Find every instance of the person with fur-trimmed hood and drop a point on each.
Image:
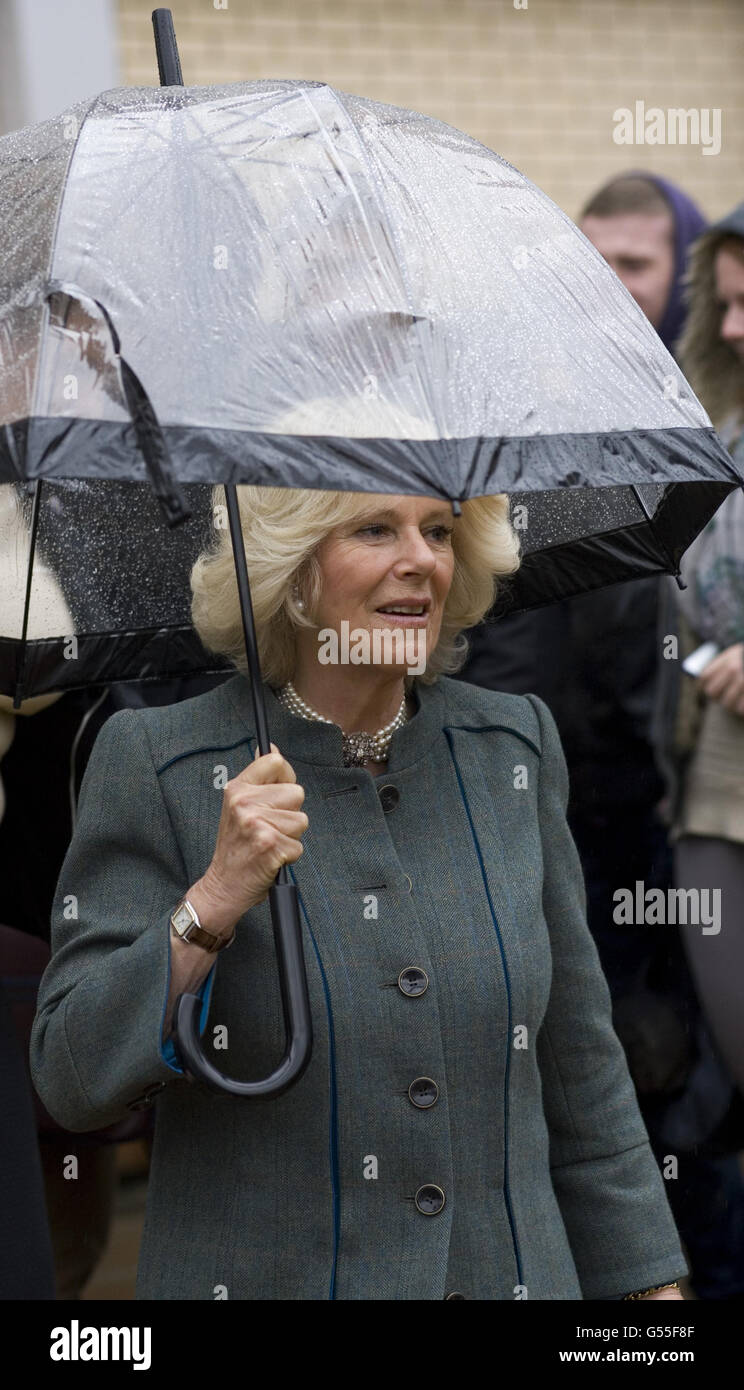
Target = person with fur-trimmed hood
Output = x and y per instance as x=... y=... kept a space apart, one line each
x=699 y=723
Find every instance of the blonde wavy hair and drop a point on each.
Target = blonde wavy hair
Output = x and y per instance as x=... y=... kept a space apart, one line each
x=282 y=529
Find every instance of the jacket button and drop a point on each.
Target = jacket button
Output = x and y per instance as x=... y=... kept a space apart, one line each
x=413 y=980
x=448 y=1296
x=389 y=797
x=429 y=1199
x=423 y=1092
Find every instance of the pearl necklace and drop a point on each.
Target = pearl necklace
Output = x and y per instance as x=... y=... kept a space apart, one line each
x=358 y=747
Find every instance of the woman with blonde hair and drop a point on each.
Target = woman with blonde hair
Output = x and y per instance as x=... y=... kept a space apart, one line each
x=466 y=1127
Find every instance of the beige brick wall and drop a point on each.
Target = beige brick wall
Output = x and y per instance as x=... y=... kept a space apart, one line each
x=539 y=85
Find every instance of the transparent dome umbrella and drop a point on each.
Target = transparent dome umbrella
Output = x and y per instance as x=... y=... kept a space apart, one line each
x=279 y=284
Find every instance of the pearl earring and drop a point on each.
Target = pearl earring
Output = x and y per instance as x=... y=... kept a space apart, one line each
x=295 y=595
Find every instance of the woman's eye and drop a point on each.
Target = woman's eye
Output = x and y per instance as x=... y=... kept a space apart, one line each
x=443 y=532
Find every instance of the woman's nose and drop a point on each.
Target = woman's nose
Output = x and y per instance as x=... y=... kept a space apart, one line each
x=415 y=551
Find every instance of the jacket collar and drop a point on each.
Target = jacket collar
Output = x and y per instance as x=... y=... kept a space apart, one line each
x=447 y=704
x=322 y=744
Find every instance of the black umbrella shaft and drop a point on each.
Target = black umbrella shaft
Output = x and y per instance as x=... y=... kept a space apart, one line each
x=246 y=609
x=169 y=63
x=169 y=68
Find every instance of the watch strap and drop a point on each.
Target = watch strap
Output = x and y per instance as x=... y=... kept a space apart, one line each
x=208 y=940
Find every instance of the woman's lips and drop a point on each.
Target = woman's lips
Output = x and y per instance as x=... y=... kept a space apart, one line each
x=403 y=619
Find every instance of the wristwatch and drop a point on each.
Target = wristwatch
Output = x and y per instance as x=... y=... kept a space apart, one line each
x=185 y=922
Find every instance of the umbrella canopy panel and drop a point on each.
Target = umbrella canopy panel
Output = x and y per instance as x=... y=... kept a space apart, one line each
x=109 y=596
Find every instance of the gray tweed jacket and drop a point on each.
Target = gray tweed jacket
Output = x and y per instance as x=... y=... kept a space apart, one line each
x=550 y=1189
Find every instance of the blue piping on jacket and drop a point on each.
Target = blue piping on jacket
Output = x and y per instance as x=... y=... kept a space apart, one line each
x=167 y=1049
x=204 y=748
x=333 y=1093
x=507 y=1196
x=333 y=1101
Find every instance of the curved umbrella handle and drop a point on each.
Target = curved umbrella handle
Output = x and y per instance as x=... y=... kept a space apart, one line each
x=285 y=917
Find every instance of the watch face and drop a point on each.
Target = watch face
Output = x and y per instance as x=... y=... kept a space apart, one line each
x=182 y=919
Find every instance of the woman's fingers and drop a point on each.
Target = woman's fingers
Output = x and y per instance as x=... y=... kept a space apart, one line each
x=267 y=767
x=288 y=822
x=261 y=825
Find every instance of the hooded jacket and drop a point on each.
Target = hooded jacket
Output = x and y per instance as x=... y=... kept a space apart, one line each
x=681 y=713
